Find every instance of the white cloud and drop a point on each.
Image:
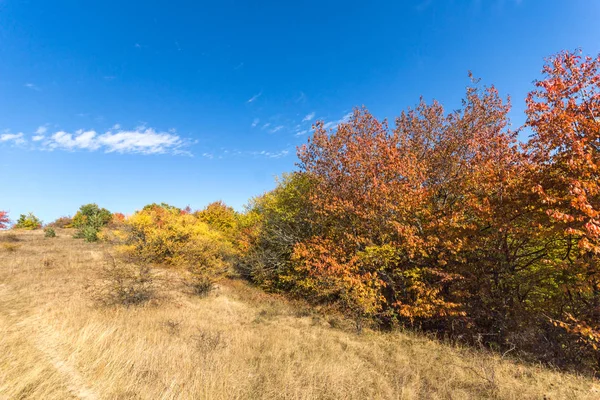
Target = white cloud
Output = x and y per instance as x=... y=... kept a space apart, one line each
x=303 y=132
x=17 y=138
x=224 y=153
x=139 y=141
x=270 y=154
x=265 y=126
x=255 y=122
x=32 y=86
x=334 y=124
x=276 y=129
x=253 y=98
x=145 y=142
x=79 y=141
x=40 y=133
x=309 y=117
x=301 y=98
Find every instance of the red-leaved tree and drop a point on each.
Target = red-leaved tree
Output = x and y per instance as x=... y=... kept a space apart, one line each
x=4 y=220
x=564 y=114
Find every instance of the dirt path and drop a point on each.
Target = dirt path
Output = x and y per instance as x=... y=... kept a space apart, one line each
x=33 y=355
x=48 y=342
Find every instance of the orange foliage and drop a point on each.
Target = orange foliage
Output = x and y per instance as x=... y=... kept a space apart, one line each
x=564 y=114
x=414 y=196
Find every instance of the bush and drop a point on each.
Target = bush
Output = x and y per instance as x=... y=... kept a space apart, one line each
x=201 y=284
x=89 y=220
x=221 y=217
x=28 y=221
x=165 y=235
x=125 y=284
x=62 y=222
x=49 y=232
x=270 y=229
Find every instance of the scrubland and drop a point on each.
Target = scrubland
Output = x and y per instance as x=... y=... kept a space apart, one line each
x=57 y=341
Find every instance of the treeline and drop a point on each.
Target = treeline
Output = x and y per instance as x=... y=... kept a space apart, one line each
x=444 y=222
x=447 y=223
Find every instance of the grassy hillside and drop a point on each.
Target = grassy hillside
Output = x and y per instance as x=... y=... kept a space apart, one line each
x=57 y=342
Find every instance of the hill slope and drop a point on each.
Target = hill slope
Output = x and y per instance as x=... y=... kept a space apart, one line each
x=238 y=343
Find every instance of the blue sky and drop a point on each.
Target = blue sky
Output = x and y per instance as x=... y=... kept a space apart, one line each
x=125 y=103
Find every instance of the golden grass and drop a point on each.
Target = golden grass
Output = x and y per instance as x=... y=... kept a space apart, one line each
x=238 y=343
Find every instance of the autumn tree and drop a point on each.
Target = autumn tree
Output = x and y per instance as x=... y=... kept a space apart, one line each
x=28 y=221
x=4 y=220
x=447 y=222
x=220 y=216
x=564 y=114
x=404 y=205
x=273 y=224
x=428 y=222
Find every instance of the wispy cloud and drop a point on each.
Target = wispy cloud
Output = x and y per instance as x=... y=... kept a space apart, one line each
x=334 y=124
x=255 y=122
x=277 y=129
x=309 y=117
x=16 y=138
x=253 y=98
x=224 y=153
x=40 y=133
x=270 y=154
x=239 y=66
x=302 y=132
x=32 y=86
x=265 y=126
x=138 y=141
x=301 y=98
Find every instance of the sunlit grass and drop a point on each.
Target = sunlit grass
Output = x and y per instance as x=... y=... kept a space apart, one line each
x=56 y=342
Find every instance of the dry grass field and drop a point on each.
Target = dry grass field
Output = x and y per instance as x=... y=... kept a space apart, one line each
x=57 y=342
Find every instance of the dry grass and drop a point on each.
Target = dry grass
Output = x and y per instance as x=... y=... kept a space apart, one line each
x=56 y=342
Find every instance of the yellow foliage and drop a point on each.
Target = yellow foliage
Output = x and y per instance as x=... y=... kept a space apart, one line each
x=172 y=237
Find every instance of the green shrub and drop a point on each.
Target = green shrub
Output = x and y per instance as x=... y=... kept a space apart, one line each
x=49 y=232
x=201 y=284
x=89 y=220
x=28 y=221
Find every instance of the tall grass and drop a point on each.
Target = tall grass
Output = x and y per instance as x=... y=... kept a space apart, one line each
x=57 y=342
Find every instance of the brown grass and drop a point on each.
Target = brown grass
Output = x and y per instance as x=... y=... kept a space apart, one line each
x=56 y=342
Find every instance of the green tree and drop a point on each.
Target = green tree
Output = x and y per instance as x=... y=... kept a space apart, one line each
x=28 y=221
x=89 y=220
